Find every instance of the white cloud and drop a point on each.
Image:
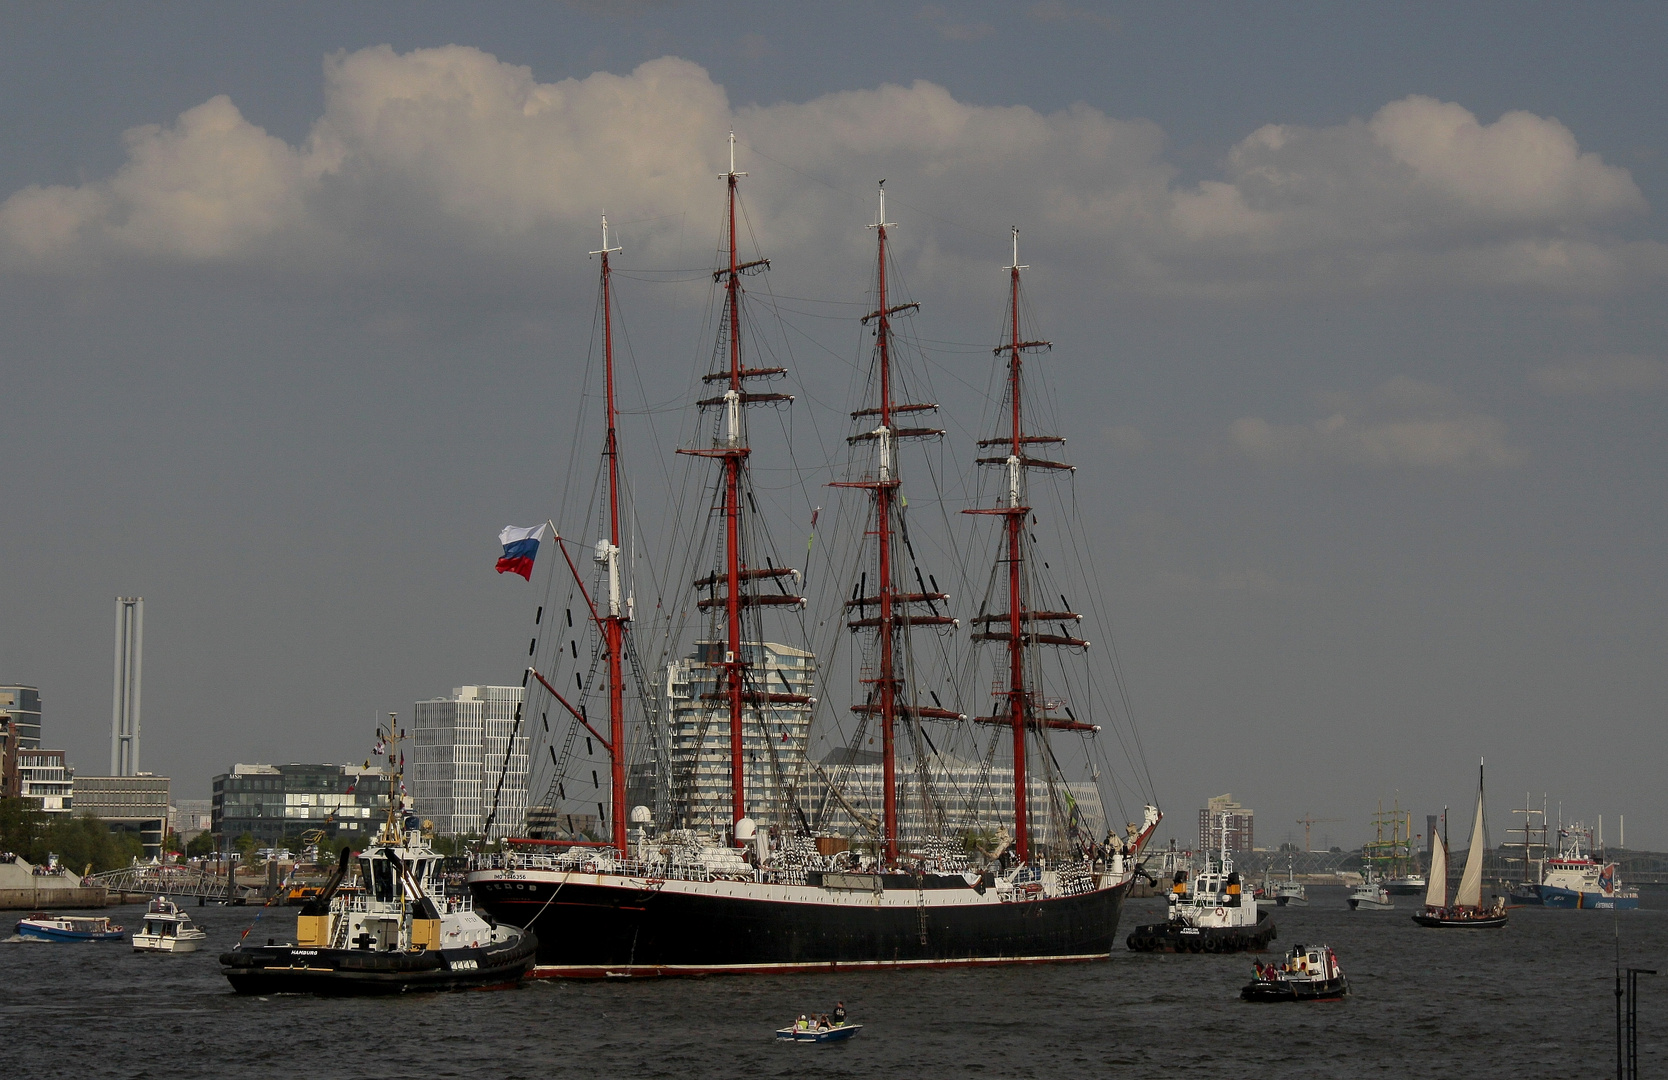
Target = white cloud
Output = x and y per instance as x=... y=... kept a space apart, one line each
x=448 y=162
x=1402 y=424
x=1595 y=375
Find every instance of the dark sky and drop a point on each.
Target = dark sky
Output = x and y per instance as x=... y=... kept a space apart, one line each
x=1357 y=316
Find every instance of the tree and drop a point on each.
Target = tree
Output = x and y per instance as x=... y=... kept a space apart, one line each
x=201 y=844
x=21 y=822
x=84 y=841
x=171 y=843
x=246 y=845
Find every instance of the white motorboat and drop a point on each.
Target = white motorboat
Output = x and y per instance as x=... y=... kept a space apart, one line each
x=167 y=929
x=1290 y=893
x=1371 y=895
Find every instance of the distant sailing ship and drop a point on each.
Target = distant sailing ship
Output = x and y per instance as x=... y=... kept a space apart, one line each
x=1467 y=910
x=729 y=863
x=1390 y=859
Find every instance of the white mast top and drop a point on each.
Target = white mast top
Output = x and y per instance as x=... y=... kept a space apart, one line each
x=880 y=219
x=1017 y=265
x=605 y=249
x=732 y=172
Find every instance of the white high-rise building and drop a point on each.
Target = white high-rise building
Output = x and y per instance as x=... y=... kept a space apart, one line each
x=774 y=736
x=967 y=797
x=459 y=747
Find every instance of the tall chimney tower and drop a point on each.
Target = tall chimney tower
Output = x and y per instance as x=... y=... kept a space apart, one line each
x=124 y=705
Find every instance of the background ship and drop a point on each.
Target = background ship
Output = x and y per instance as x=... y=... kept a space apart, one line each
x=930 y=835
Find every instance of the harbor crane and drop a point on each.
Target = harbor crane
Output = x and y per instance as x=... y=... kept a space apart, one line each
x=1308 y=820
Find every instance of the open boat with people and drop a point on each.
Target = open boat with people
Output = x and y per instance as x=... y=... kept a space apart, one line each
x=1467 y=911
x=1308 y=973
x=167 y=929
x=43 y=927
x=806 y=1030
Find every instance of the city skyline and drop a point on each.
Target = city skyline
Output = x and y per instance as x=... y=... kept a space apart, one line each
x=1357 y=324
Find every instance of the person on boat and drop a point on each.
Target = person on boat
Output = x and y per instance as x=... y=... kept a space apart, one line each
x=804 y=1023
x=822 y=1022
x=839 y=1013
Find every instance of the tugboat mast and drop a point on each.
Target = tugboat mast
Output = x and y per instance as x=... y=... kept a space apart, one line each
x=1019 y=708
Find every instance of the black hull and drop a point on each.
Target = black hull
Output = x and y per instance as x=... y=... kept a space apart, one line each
x=1442 y=922
x=1304 y=990
x=288 y=969
x=601 y=928
x=1176 y=938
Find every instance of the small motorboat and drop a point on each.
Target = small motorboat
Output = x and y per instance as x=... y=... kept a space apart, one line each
x=1371 y=895
x=43 y=927
x=1308 y=973
x=167 y=929
x=834 y=1033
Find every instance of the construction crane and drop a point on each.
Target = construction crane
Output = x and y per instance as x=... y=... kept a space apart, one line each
x=1306 y=821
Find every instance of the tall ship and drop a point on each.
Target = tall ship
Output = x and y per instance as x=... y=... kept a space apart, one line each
x=1389 y=857
x=928 y=832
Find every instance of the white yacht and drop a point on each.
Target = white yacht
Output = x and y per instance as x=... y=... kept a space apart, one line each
x=167 y=929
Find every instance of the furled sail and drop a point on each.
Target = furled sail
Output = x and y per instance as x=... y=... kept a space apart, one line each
x=1436 y=893
x=1470 y=892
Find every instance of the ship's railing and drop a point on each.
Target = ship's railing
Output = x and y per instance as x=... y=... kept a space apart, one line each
x=357 y=901
x=1071 y=878
x=674 y=870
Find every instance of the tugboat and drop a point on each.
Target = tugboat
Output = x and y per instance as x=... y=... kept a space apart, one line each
x=1214 y=916
x=167 y=929
x=402 y=933
x=1309 y=973
x=1467 y=912
x=43 y=927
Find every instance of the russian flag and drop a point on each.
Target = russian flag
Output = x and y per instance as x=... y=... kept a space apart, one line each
x=520 y=547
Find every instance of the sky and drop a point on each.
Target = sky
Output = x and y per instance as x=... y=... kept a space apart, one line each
x=1357 y=316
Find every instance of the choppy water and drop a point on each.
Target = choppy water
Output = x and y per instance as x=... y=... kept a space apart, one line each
x=1532 y=1000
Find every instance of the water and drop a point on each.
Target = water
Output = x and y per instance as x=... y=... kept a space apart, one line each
x=1534 y=999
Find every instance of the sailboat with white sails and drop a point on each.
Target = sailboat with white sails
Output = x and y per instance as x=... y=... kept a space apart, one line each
x=1467 y=910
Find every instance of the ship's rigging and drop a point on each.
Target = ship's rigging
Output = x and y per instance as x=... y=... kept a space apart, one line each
x=738 y=578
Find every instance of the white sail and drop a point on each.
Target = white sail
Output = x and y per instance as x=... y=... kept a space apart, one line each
x=1470 y=891
x=1436 y=893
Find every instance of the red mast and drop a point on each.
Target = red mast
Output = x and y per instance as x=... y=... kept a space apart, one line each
x=733 y=451
x=609 y=554
x=895 y=616
x=1021 y=707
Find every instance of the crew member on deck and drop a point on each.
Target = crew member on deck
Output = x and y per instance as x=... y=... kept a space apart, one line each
x=839 y=1013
